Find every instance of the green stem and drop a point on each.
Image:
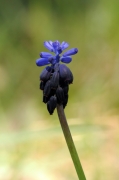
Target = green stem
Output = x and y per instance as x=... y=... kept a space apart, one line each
x=70 y=142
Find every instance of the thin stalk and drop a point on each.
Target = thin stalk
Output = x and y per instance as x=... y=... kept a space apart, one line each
x=70 y=143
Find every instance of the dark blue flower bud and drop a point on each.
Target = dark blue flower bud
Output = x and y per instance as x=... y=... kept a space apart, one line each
x=56 y=67
x=52 y=92
x=51 y=104
x=47 y=88
x=42 y=85
x=46 y=73
x=45 y=54
x=55 y=80
x=65 y=74
x=42 y=62
x=66 y=89
x=60 y=95
x=65 y=101
x=66 y=59
x=70 y=52
x=45 y=99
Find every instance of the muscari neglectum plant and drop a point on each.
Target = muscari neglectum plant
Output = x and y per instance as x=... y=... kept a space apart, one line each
x=54 y=82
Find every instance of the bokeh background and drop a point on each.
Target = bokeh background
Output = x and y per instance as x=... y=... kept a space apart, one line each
x=32 y=146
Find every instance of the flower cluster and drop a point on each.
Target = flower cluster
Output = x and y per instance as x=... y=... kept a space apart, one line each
x=55 y=79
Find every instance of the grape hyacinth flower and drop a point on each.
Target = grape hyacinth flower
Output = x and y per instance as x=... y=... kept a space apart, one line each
x=55 y=78
x=54 y=82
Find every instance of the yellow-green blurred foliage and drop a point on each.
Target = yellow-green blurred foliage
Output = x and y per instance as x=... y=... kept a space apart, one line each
x=32 y=146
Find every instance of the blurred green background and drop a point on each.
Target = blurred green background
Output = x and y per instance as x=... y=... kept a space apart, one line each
x=32 y=146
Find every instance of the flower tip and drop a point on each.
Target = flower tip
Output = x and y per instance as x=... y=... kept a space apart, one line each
x=40 y=54
x=37 y=62
x=76 y=50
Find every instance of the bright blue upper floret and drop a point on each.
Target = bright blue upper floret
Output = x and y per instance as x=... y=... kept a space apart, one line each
x=57 y=48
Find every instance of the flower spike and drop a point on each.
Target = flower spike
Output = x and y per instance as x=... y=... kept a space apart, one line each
x=56 y=77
